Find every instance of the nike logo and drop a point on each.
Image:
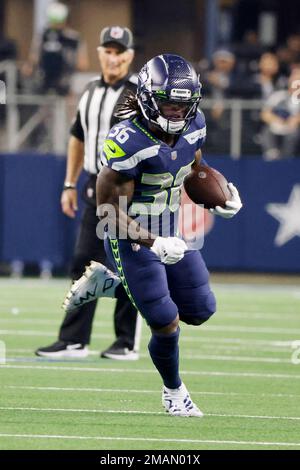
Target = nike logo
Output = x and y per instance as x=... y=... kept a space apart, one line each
x=70 y=347
x=113 y=150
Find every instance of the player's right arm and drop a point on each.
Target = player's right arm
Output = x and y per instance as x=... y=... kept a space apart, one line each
x=111 y=186
x=75 y=159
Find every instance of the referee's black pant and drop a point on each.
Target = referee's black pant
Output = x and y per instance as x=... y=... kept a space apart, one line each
x=77 y=324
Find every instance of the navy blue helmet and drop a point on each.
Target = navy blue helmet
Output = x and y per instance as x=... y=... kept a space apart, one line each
x=169 y=92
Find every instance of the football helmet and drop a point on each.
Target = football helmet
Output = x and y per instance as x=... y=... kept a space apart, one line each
x=169 y=92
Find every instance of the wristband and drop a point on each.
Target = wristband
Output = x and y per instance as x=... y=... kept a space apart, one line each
x=69 y=186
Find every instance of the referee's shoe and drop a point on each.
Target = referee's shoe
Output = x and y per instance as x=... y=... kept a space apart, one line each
x=64 y=350
x=68 y=350
x=120 y=352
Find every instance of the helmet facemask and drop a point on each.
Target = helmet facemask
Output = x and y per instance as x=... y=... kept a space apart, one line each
x=170 y=105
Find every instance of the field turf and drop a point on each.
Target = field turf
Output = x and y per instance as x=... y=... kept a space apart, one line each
x=238 y=368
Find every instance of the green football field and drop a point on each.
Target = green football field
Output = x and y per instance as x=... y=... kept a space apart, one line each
x=238 y=368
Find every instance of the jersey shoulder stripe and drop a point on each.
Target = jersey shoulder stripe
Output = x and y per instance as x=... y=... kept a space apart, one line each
x=192 y=137
x=126 y=146
x=197 y=130
x=136 y=158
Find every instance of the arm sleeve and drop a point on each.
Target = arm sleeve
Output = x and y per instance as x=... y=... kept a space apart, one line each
x=76 y=128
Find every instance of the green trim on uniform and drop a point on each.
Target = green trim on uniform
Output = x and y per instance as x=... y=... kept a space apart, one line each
x=112 y=149
x=116 y=254
x=141 y=128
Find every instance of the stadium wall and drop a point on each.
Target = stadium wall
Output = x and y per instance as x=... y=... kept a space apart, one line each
x=264 y=236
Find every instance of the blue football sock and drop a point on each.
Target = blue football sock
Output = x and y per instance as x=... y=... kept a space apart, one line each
x=164 y=352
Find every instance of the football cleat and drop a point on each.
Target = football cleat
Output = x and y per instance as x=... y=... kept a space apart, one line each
x=97 y=281
x=177 y=402
x=63 y=349
x=120 y=353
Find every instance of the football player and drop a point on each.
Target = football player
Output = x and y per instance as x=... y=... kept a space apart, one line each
x=145 y=161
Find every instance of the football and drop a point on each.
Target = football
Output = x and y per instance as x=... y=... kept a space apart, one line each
x=205 y=185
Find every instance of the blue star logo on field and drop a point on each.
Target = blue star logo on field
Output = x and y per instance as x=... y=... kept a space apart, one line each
x=288 y=215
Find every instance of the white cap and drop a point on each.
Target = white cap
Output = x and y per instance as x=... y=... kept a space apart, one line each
x=57 y=12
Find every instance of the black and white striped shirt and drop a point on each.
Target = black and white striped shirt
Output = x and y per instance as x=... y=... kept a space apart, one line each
x=95 y=116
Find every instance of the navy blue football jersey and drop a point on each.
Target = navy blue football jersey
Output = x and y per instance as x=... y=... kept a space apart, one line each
x=158 y=170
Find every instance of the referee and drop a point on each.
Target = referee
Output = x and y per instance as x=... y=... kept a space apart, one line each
x=95 y=117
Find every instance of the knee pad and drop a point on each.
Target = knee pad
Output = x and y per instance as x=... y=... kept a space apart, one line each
x=159 y=313
x=207 y=309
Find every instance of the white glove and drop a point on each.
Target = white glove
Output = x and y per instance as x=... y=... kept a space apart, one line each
x=170 y=250
x=232 y=206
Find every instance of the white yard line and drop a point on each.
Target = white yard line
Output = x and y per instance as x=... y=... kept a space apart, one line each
x=139 y=412
x=241 y=315
x=204 y=330
x=214 y=357
x=257 y=288
x=142 y=392
x=105 y=319
x=43 y=333
x=34 y=282
x=151 y=439
x=190 y=357
x=252 y=329
x=152 y=371
x=258 y=315
x=207 y=347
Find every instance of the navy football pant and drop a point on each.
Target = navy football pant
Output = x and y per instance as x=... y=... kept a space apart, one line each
x=161 y=291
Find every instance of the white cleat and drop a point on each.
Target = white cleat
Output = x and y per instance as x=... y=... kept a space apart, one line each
x=97 y=281
x=177 y=402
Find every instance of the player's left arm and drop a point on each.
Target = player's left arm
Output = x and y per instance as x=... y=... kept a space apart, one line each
x=233 y=205
x=198 y=158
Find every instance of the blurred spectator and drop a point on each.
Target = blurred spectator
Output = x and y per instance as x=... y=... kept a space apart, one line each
x=219 y=84
x=281 y=116
x=8 y=49
x=285 y=57
x=220 y=80
x=261 y=86
x=267 y=80
x=289 y=54
x=57 y=54
x=293 y=45
x=248 y=52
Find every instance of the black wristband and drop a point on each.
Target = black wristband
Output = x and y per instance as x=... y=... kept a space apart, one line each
x=69 y=186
